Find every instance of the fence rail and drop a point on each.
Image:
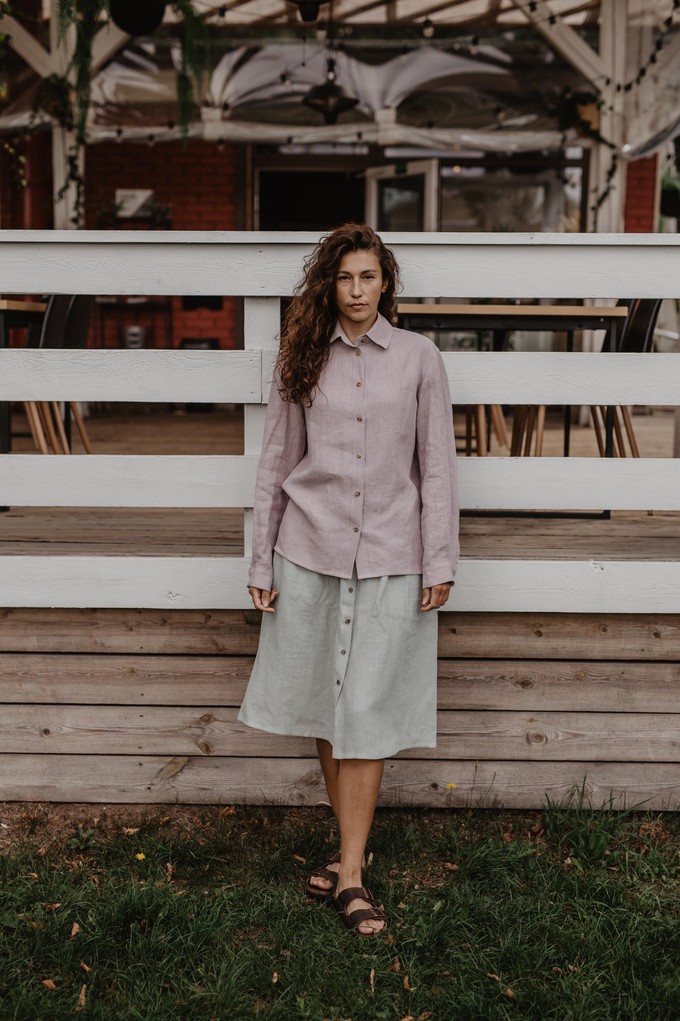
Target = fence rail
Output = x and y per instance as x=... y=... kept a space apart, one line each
x=263 y=267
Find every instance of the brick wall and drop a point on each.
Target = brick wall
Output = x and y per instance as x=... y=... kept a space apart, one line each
x=640 y=210
x=202 y=186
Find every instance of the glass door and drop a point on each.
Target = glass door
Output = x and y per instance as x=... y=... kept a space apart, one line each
x=403 y=196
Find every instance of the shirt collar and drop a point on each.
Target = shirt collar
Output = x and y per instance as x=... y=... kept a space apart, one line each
x=380 y=332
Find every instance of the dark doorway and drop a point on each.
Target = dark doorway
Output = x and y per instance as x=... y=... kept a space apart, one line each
x=309 y=200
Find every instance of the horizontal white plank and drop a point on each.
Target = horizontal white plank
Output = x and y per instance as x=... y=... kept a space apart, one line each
x=122 y=375
x=498 y=483
x=569 y=483
x=502 y=377
x=266 y=263
x=524 y=377
x=128 y=480
x=562 y=586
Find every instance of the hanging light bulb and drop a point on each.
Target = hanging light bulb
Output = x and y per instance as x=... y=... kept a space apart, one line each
x=309 y=9
x=329 y=99
x=137 y=18
x=427 y=29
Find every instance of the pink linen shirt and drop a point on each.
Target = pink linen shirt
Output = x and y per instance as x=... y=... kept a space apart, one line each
x=368 y=473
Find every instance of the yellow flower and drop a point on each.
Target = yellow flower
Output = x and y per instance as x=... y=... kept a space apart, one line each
x=451 y=786
x=141 y=856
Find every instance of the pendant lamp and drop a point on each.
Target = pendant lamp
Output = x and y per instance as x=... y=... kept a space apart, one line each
x=309 y=9
x=329 y=99
x=137 y=17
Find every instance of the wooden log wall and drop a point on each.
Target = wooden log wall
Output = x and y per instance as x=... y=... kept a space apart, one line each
x=140 y=706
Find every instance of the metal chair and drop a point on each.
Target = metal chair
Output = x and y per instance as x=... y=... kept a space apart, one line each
x=66 y=324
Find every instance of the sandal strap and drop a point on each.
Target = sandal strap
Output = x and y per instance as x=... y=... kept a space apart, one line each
x=351 y=893
x=355 y=918
x=323 y=871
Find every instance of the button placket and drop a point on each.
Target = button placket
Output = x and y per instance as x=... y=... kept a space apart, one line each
x=359 y=449
x=345 y=627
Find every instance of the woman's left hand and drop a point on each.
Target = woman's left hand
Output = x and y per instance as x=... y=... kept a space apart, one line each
x=435 y=596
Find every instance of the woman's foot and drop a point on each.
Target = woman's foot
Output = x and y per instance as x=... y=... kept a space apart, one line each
x=350 y=897
x=322 y=881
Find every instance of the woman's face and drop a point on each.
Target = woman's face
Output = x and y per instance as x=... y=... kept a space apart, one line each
x=358 y=286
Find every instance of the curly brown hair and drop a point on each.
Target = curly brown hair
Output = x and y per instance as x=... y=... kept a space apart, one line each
x=312 y=313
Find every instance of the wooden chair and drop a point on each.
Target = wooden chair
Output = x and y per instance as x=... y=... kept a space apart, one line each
x=66 y=324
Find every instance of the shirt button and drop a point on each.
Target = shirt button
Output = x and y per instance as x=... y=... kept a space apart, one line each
x=350 y=589
x=357 y=352
x=343 y=652
x=347 y=620
x=358 y=455
x=356 y=530
x=357 y=492
x=359 y=418
x=358 y=384
x=338 y=681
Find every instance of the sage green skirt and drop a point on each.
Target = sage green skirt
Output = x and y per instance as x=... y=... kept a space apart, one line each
x=351 y=661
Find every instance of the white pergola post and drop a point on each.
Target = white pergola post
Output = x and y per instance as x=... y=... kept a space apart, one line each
x=56 y=60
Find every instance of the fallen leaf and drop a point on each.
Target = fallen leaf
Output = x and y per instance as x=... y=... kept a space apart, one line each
x=407 y=987
x=450 y=866
x=408 y=1017
x=275 y=978
x=558 y=970
x=129 y=830
x=425 y=1015
x=85 y=967
x=75 y=929
x=32 y=875
x=490 y=974
x=49 y=907
x=48 y=983
x=81 y=997
x=42 y=851
x=509 y=993
x=395 y=965
x=169 y=870
x=296 y=857
x=228 y=810
x=371 y=980
x=573 y=967
x=401 y=904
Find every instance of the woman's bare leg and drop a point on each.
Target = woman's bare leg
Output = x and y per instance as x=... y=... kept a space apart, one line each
x=358 y=785
x=330 y=768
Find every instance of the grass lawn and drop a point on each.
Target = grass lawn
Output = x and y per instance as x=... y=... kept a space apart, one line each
x=193 y=912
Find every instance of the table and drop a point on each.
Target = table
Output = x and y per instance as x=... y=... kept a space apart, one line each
x=14 y=313
x=502 y=319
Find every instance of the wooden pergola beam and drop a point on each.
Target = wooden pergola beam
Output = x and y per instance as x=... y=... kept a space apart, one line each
x=27 y=46
x=566 y=41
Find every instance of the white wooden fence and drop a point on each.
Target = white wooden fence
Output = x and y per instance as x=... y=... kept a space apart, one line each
x=262 y=267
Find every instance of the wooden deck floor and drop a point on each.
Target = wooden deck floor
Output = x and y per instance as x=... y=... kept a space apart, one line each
x=162 y=532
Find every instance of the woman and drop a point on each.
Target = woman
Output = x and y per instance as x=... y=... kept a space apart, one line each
x=355 y=538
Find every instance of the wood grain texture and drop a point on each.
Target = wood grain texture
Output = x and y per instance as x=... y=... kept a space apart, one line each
x=407 y=783
x=476 y=636
x=210 y=730
x=609 y=686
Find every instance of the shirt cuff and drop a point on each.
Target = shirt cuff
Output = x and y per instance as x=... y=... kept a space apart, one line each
x=438 y=576
x=261 y=577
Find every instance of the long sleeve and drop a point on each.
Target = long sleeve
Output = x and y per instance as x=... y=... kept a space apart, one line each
x=283 y=447
x=440 y=513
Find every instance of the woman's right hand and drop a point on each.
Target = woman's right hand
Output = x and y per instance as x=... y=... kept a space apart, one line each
x=262 y=598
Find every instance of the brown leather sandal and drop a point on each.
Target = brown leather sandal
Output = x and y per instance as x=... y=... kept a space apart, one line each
x=323 y=872
x=353 y=919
